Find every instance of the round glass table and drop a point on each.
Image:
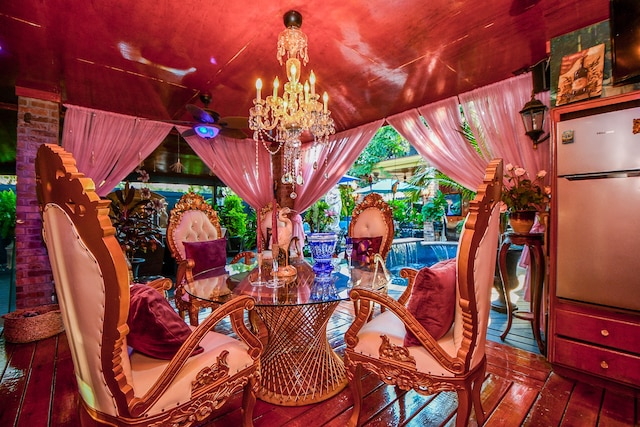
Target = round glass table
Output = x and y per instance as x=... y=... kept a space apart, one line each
x=298 y=366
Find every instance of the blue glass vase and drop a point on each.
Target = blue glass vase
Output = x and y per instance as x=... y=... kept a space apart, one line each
x=322 y=246
x=323 y=289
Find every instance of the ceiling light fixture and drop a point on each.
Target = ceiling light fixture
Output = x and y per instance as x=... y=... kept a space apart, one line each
x=533 y=117
x=279 y=121
x=206 y=131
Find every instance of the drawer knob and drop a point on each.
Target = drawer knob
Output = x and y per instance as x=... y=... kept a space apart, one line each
x=604 y=365
x=604 y=333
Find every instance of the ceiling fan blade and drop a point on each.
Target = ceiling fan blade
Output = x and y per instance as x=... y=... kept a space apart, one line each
x=235 y=122
x=188 y=132
x=233 y=133
x=200 y=115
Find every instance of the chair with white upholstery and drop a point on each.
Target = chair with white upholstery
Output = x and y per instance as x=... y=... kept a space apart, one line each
x=373 y=219
x=116 y=386
x=397 y=345
x=194 y=222
x=371 y=230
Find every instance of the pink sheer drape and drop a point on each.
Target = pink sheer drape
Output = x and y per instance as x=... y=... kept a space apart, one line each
x=493 y=115
x=333 y=161
x=441 y=144
x=108 y=146
x=340 y=153
x=234 y=162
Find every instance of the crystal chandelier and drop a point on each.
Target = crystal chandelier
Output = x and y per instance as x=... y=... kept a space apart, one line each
x=279 y=121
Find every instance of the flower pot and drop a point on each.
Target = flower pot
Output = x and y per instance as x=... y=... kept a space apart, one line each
x=522 y=221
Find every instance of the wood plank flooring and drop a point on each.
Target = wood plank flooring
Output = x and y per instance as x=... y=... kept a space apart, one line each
x=37 y=388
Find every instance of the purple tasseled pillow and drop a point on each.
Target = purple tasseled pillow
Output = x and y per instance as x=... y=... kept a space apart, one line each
x=364 y=248
x=207 y=255
x=155 y=329
x=433 y=299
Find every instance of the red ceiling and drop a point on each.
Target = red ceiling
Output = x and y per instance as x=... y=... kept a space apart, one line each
x=149 y=58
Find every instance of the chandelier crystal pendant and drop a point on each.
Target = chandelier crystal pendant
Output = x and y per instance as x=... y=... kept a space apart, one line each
x=279 y=121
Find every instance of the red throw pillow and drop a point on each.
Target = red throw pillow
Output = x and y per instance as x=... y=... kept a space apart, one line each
x=432 y=301
x=364 y=248
x=207 y=254
x=155 y=329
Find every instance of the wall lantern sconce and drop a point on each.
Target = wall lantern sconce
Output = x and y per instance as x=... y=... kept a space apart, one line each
x=533 y=117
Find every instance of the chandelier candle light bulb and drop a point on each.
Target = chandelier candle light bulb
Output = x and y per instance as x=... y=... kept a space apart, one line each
x=258 y=89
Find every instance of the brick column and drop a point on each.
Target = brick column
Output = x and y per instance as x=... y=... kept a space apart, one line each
x=38 y=123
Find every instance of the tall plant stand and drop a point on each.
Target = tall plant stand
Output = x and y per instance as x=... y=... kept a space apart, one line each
x=534 y=242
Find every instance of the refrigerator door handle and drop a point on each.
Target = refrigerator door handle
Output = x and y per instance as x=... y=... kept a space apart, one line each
x=602 y=175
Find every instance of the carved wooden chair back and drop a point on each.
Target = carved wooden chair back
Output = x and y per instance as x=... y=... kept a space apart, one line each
x=92 y=284
x=455 y=361
x=192 y=219
x=372 y=218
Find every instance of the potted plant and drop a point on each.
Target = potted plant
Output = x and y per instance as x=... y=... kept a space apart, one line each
x=8 y=221
x=134 y=216
x=319 y=216
x=234 y=218
x=433 y=213
x=524 y=197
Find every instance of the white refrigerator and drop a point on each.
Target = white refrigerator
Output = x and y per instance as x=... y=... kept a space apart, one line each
x=598 y=207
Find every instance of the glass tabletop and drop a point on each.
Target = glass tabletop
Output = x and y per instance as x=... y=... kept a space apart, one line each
x=303 y=287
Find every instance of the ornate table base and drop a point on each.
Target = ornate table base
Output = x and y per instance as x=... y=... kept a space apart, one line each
x=534 y=242
x=298 y=366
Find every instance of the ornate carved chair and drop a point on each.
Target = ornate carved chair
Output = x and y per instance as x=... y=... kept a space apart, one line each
x=195 y=240
x=372 y=220
x=397 y=348
x=91 y=280
x=371 y=230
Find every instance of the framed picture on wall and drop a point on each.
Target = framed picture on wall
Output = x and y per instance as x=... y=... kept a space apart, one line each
x=581 y=75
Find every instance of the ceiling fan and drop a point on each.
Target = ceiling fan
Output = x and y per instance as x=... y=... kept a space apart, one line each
x=208 y=123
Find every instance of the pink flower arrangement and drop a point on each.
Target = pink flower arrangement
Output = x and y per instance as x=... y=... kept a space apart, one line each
x=523 y=193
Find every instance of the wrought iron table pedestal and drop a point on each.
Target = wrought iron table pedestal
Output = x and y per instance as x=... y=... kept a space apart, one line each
x=298 y=366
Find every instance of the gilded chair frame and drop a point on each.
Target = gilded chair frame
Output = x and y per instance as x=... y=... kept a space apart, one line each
x=457 y=361
x=373 y=209
x=91 y=277
x=184 y=211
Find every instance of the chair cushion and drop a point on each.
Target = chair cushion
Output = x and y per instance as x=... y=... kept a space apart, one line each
x=155 y=329
x=207 y=255
x=387 y=323
x=433 y=300
x=364 y=248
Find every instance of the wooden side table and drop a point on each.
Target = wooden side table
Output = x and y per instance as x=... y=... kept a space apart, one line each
x=534 y=242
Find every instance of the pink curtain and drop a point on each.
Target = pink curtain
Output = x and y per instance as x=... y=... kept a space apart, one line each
x=108 y=146
x=234 y=162
x=440 y=143
x=492 y=113
x=333 y=161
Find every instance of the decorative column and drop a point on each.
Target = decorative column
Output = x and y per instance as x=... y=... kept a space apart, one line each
x=38 y=123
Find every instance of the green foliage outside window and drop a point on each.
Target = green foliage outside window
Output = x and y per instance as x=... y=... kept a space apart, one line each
x=232 y=216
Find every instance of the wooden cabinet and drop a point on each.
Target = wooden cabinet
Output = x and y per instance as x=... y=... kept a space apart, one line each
x=594 y=330
x=597 y=341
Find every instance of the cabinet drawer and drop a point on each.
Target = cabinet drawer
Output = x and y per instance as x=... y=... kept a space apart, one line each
x=611 y=333
x=606 y=363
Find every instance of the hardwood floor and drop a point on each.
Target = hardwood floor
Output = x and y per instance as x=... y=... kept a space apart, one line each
x=37 y=388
